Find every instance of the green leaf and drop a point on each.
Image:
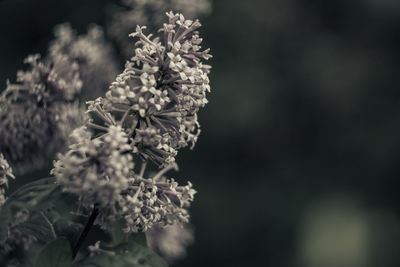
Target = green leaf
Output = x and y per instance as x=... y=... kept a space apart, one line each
x=5 y=219
x=50 y=211
x=50 y=216
x=68 y=229
x=56 y=253
x=118 y=236
x=21 y=257
x=129 y=254
x=139 y=238
x=32 y=196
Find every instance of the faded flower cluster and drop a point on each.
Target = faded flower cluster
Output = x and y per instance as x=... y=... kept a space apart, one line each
x=124 y=18
x=149 y=112
x=37 y=113
x=5 y=173
x=15 y=237
x=170 y=241
x=91 y=52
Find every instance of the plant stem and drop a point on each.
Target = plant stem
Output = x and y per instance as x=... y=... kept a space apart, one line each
x=85 y=232
x=50 y=225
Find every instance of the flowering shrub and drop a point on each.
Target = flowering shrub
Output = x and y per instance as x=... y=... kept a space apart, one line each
x=113 y=159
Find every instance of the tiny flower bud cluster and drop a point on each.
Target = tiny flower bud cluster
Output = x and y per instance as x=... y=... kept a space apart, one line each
x=94 y=56
x=37 y=113
x=124 y=19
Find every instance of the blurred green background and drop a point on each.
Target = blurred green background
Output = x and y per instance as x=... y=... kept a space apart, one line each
x=298 y=160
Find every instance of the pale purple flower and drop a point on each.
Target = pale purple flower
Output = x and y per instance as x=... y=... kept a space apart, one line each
x=161 y=90
x=96 y=169
x=91 y=52
x=38 y=112
x=124 y=18
x=155 y=201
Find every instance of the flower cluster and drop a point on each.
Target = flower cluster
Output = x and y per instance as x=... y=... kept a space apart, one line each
x=96 y=169
x=5 y=173
x=123 y=19
x=91 y=52
x=37 y=113
x=47 y=83
x=155 y=201
x=161 y=90
x=149 y=112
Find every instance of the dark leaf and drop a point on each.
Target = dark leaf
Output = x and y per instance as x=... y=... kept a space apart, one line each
x=129 y=254
x=56 y=253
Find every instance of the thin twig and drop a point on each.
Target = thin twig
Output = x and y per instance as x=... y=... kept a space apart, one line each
x=85 y=232
x=142 y=169
x=124 y=117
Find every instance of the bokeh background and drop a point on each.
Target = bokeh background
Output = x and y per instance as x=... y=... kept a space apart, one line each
x=298 y=161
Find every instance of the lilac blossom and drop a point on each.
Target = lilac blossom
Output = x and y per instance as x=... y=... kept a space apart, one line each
x=124 y=18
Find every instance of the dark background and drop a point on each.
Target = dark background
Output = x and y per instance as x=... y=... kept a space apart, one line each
x=298 y=161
